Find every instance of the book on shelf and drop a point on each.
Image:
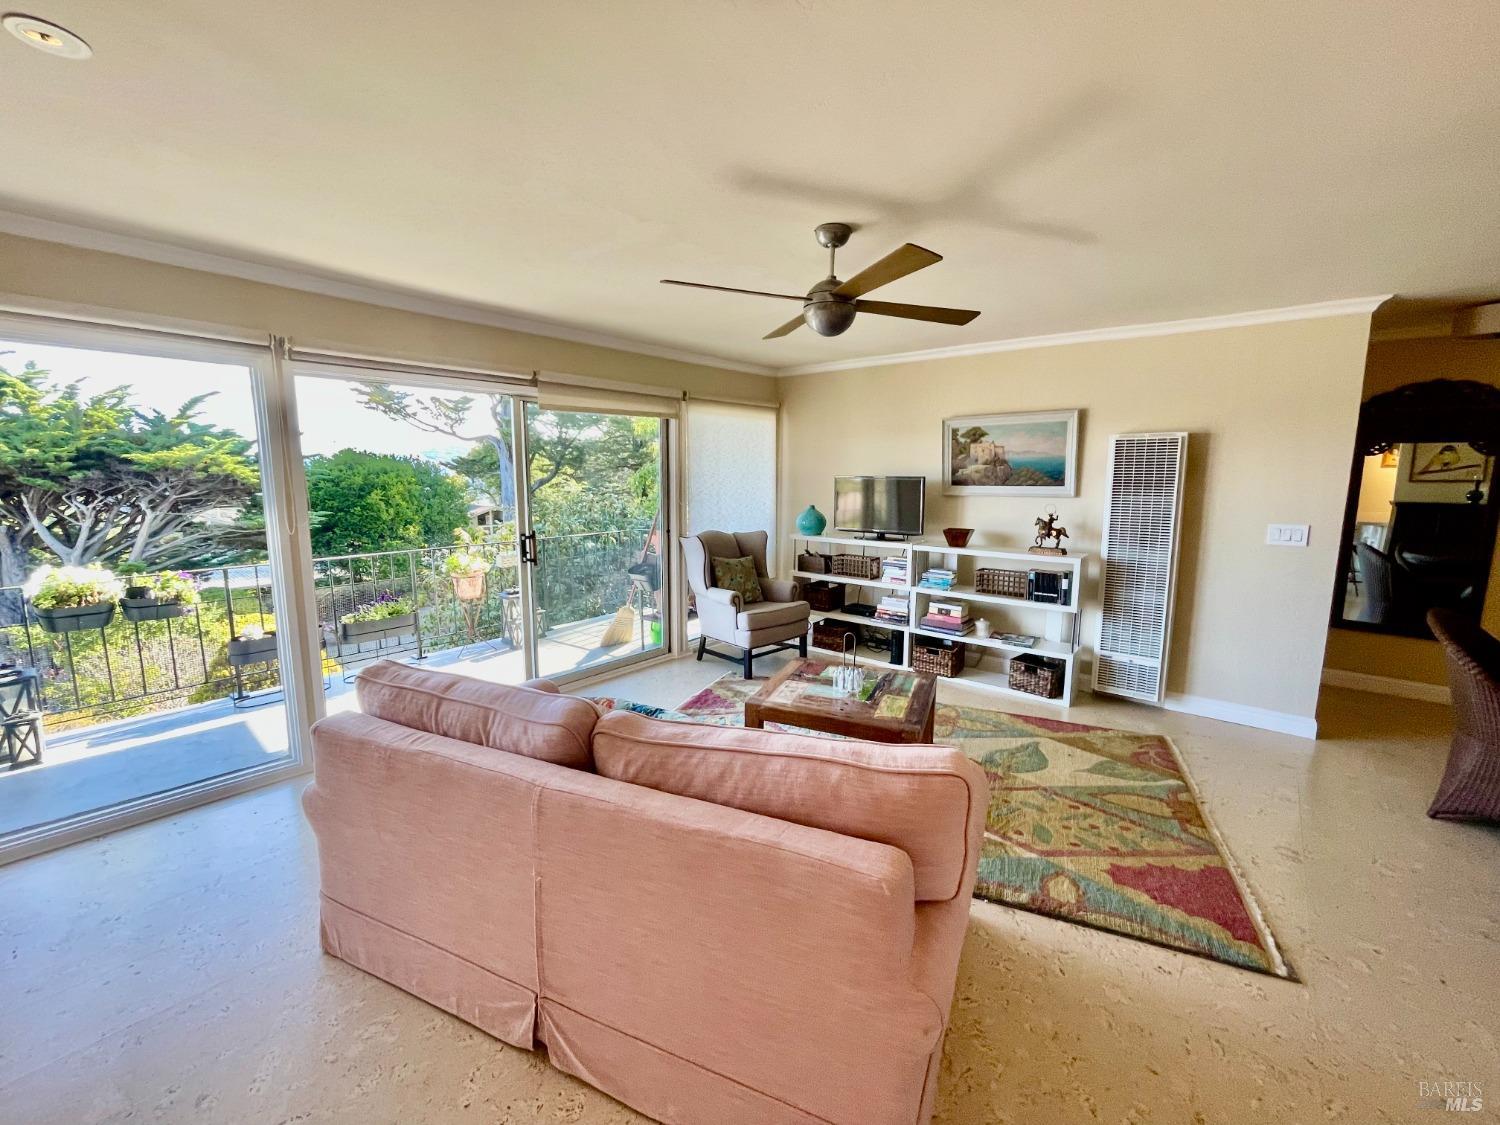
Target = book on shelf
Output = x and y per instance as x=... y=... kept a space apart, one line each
x=937 y=578
x=893 y=610
x=894 y=570
x=946 y=625
x=959 y=610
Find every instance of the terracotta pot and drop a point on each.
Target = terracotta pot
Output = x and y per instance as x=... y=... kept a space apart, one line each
x=468 y=587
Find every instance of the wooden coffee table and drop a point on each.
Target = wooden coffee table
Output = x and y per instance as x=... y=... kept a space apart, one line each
x=896 y=704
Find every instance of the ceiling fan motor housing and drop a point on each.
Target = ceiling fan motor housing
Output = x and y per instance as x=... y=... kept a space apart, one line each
x=826 y=313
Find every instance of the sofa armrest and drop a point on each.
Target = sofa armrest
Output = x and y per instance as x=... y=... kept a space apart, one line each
x=540 y=684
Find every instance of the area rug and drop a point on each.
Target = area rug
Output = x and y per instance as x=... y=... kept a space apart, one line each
x=1092 y=825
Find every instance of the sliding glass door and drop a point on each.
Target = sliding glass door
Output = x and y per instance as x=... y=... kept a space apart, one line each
x=596 y=515
x=463 y=527
x=134 y=550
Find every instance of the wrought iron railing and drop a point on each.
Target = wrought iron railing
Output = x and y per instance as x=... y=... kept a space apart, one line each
x=131 y=667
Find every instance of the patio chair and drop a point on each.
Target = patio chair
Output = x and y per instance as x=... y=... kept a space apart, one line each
x=20 y=717
x=723 y=615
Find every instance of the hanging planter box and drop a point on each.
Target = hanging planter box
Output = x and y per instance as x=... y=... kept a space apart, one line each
x=149 y=609
x=75 y=619
x=469 y=587
x=260 y=650
x=387 y=628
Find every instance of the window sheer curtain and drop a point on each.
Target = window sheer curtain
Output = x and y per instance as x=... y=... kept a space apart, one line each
x=731 y=468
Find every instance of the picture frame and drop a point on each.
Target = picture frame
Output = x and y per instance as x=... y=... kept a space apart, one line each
x=1433 y=462
x=1034 y=453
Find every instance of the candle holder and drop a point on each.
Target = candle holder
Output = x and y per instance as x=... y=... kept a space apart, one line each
x=849 y=677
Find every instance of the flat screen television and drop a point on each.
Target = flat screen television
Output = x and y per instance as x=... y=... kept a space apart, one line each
x=880 y=506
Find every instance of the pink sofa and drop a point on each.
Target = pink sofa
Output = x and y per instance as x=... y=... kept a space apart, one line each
x=713 y=925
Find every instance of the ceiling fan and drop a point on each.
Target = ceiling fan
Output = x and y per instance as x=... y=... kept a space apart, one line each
x=830 y=305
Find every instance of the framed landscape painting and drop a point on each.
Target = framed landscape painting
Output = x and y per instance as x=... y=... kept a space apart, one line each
x=1011 y=454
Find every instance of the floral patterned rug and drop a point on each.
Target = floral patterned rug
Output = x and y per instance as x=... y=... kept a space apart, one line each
x=1095 y=826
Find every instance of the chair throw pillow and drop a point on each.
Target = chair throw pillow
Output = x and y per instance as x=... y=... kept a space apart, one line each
x=739 y=575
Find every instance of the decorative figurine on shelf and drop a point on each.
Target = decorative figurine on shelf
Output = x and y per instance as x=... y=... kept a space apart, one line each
x=1046 y=528
x=812 y=521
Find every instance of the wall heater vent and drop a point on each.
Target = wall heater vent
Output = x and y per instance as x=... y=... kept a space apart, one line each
x=1142 y=525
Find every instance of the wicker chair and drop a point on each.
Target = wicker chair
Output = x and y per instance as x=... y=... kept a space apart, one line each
x=1470 y=789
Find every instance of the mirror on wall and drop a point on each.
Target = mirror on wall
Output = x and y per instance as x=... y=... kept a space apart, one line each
x=1421 y=518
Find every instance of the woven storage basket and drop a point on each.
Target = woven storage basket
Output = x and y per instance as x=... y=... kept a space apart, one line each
x=1037 y=675
x=831 y=635
x=827 y=596
x=1003 y=583
x=857 y=566
x=942 y=660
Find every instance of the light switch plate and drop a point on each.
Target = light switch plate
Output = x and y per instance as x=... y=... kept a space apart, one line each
x=1287 y=534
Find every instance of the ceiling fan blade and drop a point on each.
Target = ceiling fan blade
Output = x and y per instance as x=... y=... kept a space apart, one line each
x=789 y=326
x=729 y=289
x=918 y=312
x=897 y=264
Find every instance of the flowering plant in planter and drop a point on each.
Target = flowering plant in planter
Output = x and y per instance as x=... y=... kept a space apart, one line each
x=68 y=599
x=386 y=606
x=468 y=563
x=471 y=554
x=388 y=616
x=172 y=586
x=71 y=587
x=159 y=597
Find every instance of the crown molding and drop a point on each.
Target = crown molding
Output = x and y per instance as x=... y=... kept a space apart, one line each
x=1347 y=307
x=391 y=297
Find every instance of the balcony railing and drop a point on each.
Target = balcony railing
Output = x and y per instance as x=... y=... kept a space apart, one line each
x=133 y=667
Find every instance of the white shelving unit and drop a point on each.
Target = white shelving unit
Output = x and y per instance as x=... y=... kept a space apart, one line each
x=1058 y=635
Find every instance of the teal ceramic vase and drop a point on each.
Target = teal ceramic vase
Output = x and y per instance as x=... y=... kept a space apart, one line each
x=812 y=521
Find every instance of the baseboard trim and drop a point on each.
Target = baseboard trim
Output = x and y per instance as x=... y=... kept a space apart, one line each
x=1388 y=685
x=1242 y=715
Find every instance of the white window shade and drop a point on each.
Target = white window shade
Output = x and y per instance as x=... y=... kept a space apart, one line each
x=731 y=468
x=579 y=394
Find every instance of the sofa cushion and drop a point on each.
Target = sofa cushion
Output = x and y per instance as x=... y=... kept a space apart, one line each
x=921 y=799
x=521 y=720
x=767 y=615
x=738 y=575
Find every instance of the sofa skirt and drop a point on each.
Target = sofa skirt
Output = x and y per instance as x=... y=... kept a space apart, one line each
x=475 y=995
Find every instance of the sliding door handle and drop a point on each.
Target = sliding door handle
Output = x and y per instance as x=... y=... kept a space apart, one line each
x=529 y=548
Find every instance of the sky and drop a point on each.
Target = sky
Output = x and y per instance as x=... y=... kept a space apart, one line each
x=330 y=416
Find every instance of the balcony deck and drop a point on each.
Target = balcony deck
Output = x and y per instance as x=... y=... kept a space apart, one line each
x=111 y=762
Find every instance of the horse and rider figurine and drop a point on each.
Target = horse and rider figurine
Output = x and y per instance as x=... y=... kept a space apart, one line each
x=1047 y=528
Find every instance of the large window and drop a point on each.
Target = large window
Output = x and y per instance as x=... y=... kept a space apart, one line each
x=203 y=543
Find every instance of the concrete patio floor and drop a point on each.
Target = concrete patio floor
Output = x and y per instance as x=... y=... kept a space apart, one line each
x=112 y=762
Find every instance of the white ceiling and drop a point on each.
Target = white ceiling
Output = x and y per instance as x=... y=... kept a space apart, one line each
x=1079 y=165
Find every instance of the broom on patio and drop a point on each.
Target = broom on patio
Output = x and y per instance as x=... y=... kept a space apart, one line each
x=621 y=629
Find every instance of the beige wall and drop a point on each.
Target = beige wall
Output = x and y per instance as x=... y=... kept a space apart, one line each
x=1271 y=410
x=1393 y=364
x=64 y=274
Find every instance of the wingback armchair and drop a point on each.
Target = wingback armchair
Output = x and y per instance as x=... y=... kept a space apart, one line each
x=756 y=629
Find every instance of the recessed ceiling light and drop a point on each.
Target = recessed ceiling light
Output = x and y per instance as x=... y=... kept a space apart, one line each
x=46 y=36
